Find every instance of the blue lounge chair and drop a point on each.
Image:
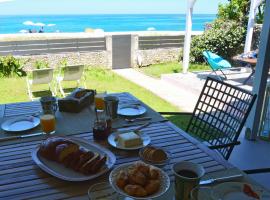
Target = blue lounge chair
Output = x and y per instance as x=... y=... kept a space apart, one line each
x=217 y=63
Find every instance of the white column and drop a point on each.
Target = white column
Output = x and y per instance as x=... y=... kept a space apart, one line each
x=251 y=21
x=190 y=4
x=261 y=74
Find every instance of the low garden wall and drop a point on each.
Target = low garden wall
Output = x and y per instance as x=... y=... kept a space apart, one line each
x=97 y=59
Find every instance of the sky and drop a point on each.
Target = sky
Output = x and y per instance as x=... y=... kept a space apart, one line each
x=38 y=7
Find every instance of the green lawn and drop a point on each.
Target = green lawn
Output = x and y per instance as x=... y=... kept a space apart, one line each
x=167 y=68
x=14 y=90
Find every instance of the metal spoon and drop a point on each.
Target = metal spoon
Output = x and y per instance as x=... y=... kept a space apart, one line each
x=137 y=119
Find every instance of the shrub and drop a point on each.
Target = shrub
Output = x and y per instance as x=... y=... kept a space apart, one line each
x=10 y=66
x=41 y=64
x=225 y=38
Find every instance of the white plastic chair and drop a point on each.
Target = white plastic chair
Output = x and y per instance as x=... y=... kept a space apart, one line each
x=39 y=77
x=71 y=73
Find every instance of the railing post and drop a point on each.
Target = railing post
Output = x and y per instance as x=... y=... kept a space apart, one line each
x=108 y=41
x=188 y=35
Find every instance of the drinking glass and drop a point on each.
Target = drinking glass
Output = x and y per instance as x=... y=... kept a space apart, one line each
x=48 y=123
x=102 y=191
x=200 y=193
x=99 y=101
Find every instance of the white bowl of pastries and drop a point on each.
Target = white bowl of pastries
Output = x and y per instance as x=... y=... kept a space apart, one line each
x=139 y=180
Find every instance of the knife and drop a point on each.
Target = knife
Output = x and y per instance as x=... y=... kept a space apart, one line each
x=21 y=136
x=220 y=179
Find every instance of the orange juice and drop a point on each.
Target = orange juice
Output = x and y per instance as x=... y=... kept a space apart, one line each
x=48 y=123
x=99 y=101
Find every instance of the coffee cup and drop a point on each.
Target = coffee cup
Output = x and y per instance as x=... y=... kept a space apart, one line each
x=187 y=176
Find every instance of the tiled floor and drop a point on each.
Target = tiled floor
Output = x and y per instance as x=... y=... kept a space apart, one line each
x=252 y=155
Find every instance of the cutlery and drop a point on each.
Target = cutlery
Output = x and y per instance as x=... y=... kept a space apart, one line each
x=220 y=179
x=21 y=136
x=138 y=119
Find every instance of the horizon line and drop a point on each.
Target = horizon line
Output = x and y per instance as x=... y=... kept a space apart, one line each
x=107 y=14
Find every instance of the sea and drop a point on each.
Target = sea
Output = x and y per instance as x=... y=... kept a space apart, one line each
x=106 y=22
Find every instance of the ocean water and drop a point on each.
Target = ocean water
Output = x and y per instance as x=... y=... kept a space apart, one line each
x=109 y=23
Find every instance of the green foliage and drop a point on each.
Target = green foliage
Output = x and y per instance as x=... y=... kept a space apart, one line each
x=235 y=10
x=41 y=64
x=225 y=38
x=63 y=62
x=10 y=66
x=260 y=14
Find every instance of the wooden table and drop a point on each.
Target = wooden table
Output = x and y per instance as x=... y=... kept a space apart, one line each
x=21 y=178
x=249 y=62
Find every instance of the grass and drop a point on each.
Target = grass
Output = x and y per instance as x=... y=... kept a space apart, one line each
x=15 y=90
x=167 y=68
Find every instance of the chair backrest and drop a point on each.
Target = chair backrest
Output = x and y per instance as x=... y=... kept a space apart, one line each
x=42 y=76
x=216 y=62
x=73 y=73
x=220 y=114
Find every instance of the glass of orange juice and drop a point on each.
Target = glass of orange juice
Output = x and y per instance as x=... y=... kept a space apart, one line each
x=48 y=123
x=99 y=101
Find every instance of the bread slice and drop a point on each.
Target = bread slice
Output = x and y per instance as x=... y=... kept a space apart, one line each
x=87 y=165
x=83 y=159
x=63 y=150
x=97 y=166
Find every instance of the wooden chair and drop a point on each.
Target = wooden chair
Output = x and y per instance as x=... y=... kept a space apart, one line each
x=70 y=73
x=219 y=115
x=38 y=77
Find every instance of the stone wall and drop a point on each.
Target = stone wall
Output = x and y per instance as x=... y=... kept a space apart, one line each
x=100 y=59
x=155 y=56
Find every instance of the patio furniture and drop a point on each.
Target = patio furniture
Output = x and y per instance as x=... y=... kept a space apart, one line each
x=216 y=63
x=248 y=62
x=70 y=73
x=21 y=178
x=39 y=77
x=219 y=115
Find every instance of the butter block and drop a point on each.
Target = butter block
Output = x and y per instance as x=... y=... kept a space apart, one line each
x=129 y=139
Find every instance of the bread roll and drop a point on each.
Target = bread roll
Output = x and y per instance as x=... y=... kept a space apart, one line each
x=152 y=186
x=135 y=190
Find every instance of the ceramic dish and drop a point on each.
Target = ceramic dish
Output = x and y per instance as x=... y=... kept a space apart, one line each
x=235 y=190
x=158 y=164
x=60 y=171
x=19 y=124
x=113 y=141
x=131 y=110
x=164 y=186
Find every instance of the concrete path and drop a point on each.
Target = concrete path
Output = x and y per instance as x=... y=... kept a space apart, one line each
x=178 y=96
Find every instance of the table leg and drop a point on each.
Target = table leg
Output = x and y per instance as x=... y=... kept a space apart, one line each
x=252 y=73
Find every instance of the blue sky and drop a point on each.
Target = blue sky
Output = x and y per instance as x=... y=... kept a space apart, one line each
x=22 y=7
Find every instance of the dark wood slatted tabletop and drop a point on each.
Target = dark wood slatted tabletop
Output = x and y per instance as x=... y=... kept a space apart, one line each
x=21 y=178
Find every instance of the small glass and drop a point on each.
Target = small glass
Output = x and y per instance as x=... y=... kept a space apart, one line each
x=200 y=193
x=48 y=123
x=101 y=128
x=102 y=191
x=99 y=101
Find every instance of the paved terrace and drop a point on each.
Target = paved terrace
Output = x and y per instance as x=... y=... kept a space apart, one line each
x=182 y=90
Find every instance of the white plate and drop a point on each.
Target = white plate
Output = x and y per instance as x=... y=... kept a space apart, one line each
x=234 y=190
x=145 y=139
x=131 y=110
x=164 y=185
x=60 y=171
x=20 y=123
